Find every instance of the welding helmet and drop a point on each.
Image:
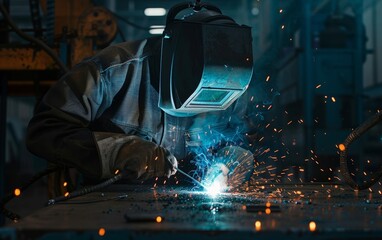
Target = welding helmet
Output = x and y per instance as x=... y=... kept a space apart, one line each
x=206 y=61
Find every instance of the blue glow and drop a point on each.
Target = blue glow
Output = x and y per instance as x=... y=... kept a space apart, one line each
x=218 y=140
x=216 y=179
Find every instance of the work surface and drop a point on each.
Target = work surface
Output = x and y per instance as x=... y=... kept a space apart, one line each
x=130 y=212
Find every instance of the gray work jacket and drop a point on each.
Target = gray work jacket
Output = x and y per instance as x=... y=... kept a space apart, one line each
x=112 y=94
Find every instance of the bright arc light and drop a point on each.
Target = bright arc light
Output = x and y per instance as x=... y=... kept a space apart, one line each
x=216 y=179
x=156 y=29
x=215 y=188
x=155 y=11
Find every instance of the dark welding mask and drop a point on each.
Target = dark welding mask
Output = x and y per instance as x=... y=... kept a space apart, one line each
x=206 y=61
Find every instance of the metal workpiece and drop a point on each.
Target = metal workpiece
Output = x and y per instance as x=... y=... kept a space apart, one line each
x=311 y=211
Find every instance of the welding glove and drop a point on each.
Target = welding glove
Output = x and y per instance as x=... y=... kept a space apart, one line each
x=137 y=158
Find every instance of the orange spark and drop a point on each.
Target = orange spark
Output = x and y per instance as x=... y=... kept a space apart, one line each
x=312 y=226
x=268 y=211
x=17 y=192
x=101 y=232
x=258 y=226
x=341 y=147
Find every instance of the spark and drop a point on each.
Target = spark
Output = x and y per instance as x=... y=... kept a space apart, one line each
x=281 y=11
x=283 y=26
x=65 y=184
x=267 y=211
x=101 y=232
x=333 y=99
x=318 y=86
x=341 y=147
x=66 y=194
x=258 y=226
x=267 y=79
x=17 y=192
x=116 y=172
x=158 y=219
x=312 y=226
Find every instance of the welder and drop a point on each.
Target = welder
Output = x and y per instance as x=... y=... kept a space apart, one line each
x=135 y=106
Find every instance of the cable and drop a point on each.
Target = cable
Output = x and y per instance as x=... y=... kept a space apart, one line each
x=119 y=197
x=29 y=38
x=14 y=216
x=34 y=8
x=371 y=122
x=86 y=190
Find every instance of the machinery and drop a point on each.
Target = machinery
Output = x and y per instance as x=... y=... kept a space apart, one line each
x=225 y=204
x=74 y=31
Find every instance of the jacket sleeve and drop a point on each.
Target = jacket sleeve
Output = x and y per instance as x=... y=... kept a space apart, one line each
x=59 y=131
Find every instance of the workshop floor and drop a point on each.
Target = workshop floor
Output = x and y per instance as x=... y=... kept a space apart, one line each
x=310 y=211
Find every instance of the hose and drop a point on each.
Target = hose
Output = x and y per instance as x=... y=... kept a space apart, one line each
x=14 y=216
x=86 y=190
x=371 y=122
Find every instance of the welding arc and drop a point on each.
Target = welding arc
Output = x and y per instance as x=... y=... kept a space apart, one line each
x=364 y=127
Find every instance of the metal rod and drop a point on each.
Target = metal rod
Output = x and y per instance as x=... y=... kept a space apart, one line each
x=193 y=179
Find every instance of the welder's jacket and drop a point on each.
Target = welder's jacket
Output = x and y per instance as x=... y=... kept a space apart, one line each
x=111 y=94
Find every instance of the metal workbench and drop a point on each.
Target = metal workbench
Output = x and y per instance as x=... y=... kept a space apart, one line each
x=130 y=212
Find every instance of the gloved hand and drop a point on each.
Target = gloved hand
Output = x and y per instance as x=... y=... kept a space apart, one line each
x=138 y=158
x=141 y=159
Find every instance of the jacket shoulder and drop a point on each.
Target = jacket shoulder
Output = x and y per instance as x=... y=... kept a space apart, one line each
x=123 y=53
